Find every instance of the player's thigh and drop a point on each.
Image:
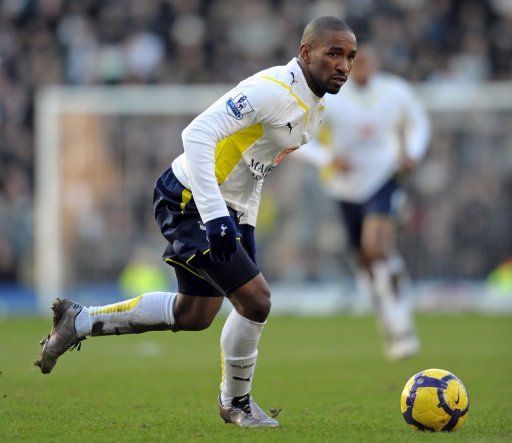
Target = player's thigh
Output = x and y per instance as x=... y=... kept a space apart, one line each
x=243 y=284
x=379 y=222
x=378 y=236
x=226 y=277
x=240 y=280
x=352 y=217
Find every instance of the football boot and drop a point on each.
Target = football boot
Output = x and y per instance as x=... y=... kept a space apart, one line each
x=62 y=336
x=245 y=413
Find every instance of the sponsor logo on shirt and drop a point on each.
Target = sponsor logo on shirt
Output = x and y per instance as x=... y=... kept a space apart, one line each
x=238 y=106
x=259 y=169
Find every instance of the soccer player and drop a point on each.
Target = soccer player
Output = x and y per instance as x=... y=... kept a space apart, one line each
x=206 y=205
x=374 y=132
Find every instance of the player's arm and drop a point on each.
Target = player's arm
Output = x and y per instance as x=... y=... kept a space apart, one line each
x=244 y=106
x=320 y=150
x=417 y=130
x=248 y=221
x=317 y=151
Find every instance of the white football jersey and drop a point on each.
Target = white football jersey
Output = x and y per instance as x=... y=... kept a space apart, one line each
x=237 y=141
x=369 y=126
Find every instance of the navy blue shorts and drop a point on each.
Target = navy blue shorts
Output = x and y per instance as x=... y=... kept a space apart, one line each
x=187 y=250
x=383 y=202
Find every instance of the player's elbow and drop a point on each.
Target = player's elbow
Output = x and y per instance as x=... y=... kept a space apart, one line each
x=196 y=136
x=187 y=136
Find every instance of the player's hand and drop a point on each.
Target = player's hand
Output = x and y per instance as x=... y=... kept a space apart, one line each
x=221 y=234
x=340 y=164
x=248 y=241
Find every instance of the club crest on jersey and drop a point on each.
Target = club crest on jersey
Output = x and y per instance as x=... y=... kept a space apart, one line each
x=283 y=154
x=239 y=106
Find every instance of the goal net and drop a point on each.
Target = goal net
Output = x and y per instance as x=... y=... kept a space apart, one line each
x=100 y=149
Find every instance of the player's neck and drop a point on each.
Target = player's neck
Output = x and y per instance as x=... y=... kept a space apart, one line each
x=309 y=80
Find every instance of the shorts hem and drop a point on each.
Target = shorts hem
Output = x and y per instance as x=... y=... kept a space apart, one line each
x=239 y=285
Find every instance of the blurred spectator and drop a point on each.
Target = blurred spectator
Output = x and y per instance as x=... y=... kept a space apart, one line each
x=45 y=42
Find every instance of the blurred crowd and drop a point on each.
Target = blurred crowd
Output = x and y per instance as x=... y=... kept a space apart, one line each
x=48 y=42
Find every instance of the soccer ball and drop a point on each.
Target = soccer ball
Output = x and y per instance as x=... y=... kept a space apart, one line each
x=434 y=400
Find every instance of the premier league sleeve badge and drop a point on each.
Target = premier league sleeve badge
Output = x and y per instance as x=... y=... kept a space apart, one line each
x=238 y=106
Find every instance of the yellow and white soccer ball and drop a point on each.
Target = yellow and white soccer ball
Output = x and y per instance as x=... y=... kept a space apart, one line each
x=434 y=400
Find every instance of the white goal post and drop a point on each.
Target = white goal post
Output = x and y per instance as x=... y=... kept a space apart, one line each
x=179 y=100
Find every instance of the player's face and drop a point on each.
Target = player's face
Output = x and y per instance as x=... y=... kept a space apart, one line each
x=330 y=61
x=365 y=66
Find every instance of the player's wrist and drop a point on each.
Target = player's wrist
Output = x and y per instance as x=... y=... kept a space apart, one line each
x=225 y=219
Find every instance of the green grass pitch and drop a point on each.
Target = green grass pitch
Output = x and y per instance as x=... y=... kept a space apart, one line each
x=327 y=375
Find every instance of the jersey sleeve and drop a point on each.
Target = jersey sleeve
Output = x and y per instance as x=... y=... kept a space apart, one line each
x=417 y=125
x=254 y=203
x=249 y=103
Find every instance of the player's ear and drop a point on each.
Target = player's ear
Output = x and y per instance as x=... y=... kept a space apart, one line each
x=304 y=51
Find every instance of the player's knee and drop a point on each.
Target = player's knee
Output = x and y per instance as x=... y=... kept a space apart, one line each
x=252 y=300
x=373 y=253
x=256 y=307
x=262 y=306
x=194 y=321
x=199 y=324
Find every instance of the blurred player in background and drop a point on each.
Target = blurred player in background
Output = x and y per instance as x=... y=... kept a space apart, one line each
x=373 y=133
x=206 y=205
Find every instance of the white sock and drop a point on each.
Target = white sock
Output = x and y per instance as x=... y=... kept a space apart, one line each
x=365 y=291
x=393 y=308
x=239 y=343
x=152 y=311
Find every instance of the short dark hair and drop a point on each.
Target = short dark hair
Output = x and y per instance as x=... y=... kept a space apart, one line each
x=318 y=27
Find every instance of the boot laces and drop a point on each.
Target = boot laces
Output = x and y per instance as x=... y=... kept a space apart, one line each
x=77 y=345
x=243 y=403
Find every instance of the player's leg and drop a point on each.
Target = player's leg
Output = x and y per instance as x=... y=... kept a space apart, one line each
x=72 y=322
x=240 y=337
x=388 y=279
x=249 y=293
x=239 y=353
x=152 y=311
x=195 y=313
x=192 y=308
x=352 y=216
